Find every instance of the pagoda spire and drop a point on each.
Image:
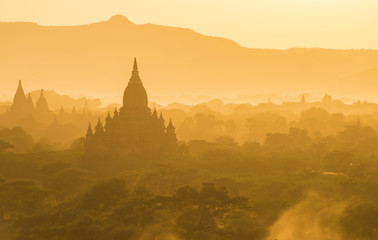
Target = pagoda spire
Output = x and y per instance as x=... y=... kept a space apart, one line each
x=19 y=100
x=154 y=114
x=161 y=118
x=135 y=96
x=171 y=137
x=135 y=67
x=116 y=113
x=89 y=131
x=99 y=128
x=161 y=122
x=73 y=110
x=62 y=112
x=135 y=74
x=303 y=100
x=89 y=137
x=42 y=104
x=30 y=103
x=170 y=125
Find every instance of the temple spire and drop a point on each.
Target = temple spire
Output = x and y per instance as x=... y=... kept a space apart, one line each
x=303 y=100
x=61 y=112
x=89 y=137
x=41 y=104
x=135 y=95
x=19 y=100
x=135 y=74
x=73 y=110
x=99 y=129
x=89 y=131
x=161 y=118
x=170 y=125
x=19 y=88
x=171 y=137
x=135 y=67
x=154 y=114
x=29 y=104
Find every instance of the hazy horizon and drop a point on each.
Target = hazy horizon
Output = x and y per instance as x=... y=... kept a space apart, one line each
x=96 y=60
x=205 y=34
x=188 y=120
x=187 y=99
x=268 y=25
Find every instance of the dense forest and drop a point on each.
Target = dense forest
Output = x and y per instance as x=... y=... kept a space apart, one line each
x=269 y=174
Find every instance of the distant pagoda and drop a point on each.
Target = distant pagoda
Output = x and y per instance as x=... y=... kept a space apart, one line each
x=133 y=129
x=23 y=106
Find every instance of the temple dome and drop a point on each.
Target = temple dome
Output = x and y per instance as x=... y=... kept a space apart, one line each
x=135 y=96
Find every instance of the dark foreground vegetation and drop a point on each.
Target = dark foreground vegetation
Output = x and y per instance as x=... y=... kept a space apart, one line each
x=292 y=186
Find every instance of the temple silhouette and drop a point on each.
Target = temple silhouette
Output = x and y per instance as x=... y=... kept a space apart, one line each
x=23 y=106
x=134 y=128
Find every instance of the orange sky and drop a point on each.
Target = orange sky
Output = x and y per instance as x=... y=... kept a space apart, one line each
x=252 y=23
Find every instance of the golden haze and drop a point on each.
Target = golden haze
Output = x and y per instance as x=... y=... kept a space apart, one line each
x=175 y=61
x=76 y=169
x=341 y=24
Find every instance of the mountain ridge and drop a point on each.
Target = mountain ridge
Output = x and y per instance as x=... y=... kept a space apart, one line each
x=96 y=59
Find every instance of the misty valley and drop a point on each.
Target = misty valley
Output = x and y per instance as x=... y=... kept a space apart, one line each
x=75 y=169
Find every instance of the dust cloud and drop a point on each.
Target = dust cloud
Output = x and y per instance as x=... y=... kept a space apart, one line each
x=313 y=218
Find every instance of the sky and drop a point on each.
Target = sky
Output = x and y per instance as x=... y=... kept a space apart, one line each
x=278 y=24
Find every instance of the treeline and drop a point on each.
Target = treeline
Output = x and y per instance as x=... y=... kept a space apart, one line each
x=112 y=211
x=215 y=187
x=246 y=124
x=208 y=121
x=219 y=190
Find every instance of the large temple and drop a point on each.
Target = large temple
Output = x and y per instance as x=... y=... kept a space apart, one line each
x=134 y=128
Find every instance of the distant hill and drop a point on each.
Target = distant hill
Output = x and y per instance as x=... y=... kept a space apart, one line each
x=96 y=60
x=358 y=82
